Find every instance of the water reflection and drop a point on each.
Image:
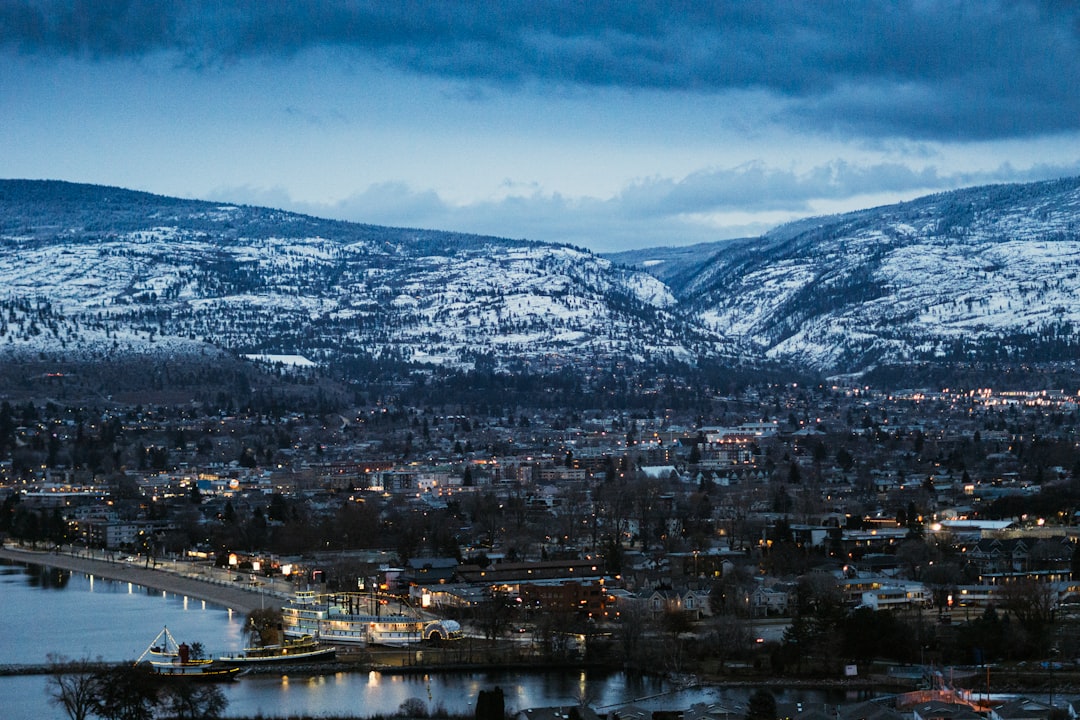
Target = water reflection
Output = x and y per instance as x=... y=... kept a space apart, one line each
x=366 y=694
x=455 y=692
x=47 y=578
x=97 y=617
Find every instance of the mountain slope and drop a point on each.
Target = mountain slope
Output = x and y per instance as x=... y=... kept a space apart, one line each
x=675 y=266
x=987 y=273
x=90 y=270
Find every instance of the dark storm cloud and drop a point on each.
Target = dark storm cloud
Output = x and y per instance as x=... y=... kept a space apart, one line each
x=916 y=68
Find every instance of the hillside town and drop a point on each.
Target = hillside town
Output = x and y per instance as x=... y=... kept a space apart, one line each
x=793 y=530
x=827 y=533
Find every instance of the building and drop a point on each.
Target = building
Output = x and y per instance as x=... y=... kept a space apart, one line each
x=892 y=597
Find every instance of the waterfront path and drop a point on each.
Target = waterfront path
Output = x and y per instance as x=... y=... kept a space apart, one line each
x=214 y=585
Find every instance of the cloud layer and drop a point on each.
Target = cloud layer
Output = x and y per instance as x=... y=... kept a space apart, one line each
x=703 y=207
x=929 y=69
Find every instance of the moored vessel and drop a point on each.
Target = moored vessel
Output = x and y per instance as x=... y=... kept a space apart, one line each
x=169 y=659
x=360 y=619
x=298 y=650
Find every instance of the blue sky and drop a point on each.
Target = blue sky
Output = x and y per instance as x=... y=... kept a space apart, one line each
x=608 y=125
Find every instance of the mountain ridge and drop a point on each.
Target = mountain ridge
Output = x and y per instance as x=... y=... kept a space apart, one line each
x=988 y=273
x=982 y=273
x=110 y=269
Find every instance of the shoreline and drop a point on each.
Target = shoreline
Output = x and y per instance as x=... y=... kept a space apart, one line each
x=182 y=578
x=173 y=577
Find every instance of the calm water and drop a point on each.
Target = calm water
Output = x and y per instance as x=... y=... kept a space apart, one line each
x=54 y=612
x=49 y=612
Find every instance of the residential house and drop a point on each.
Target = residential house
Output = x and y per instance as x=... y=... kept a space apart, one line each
x=663 y=600
x=1022 y=709
x=868 y=710
x=766 y=601
x=938 y=710
x=562 y=712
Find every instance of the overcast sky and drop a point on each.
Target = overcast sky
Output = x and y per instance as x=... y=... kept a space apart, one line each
x=608 y=125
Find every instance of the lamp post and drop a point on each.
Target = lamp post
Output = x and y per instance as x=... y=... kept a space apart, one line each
x=1050 y=667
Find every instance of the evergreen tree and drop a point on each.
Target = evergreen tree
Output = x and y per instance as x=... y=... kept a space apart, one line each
x=491 y=705
x=794 y=475
x=761 y=705
x=126 y=692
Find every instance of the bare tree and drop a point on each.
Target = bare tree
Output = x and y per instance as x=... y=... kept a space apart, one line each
x=633 y=619
x=194 y=701
x=126 y=692
x=494 y=614
x=73 y=685
x=1031 y=602
x=677 y=623
x=730 y=637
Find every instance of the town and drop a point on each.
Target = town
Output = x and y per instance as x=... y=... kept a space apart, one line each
x=771 y=533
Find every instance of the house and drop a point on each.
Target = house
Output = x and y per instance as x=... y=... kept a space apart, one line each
x=663 y=600
x=867 y=710
x=661 y=472
x=631 y=712
x=809 y=535
x=713 y=711
x=938 y=710
x=1022 y=709
x=697 y=602
x=1021 y=554
x=766 y=601
x=562 y=712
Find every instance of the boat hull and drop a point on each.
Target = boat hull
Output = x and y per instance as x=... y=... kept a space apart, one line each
x=324 y=654
x=213 y=672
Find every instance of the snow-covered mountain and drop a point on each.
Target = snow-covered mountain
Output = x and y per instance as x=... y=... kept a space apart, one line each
x=90 y=270
x=987 y=273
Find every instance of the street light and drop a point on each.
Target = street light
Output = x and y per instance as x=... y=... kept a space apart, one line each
x=1050 y=666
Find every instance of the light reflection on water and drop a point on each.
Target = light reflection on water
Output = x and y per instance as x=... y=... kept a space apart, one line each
x=350 y=694
x=365 y=694
x=46 y=611
x=373 y=693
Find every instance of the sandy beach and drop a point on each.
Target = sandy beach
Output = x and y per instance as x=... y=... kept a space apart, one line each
x=171 y=577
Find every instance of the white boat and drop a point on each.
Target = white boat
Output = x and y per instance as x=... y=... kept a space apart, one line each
x=359 y=619
x=170 y=659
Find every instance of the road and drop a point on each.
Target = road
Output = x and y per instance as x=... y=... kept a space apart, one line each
x=769 y=629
